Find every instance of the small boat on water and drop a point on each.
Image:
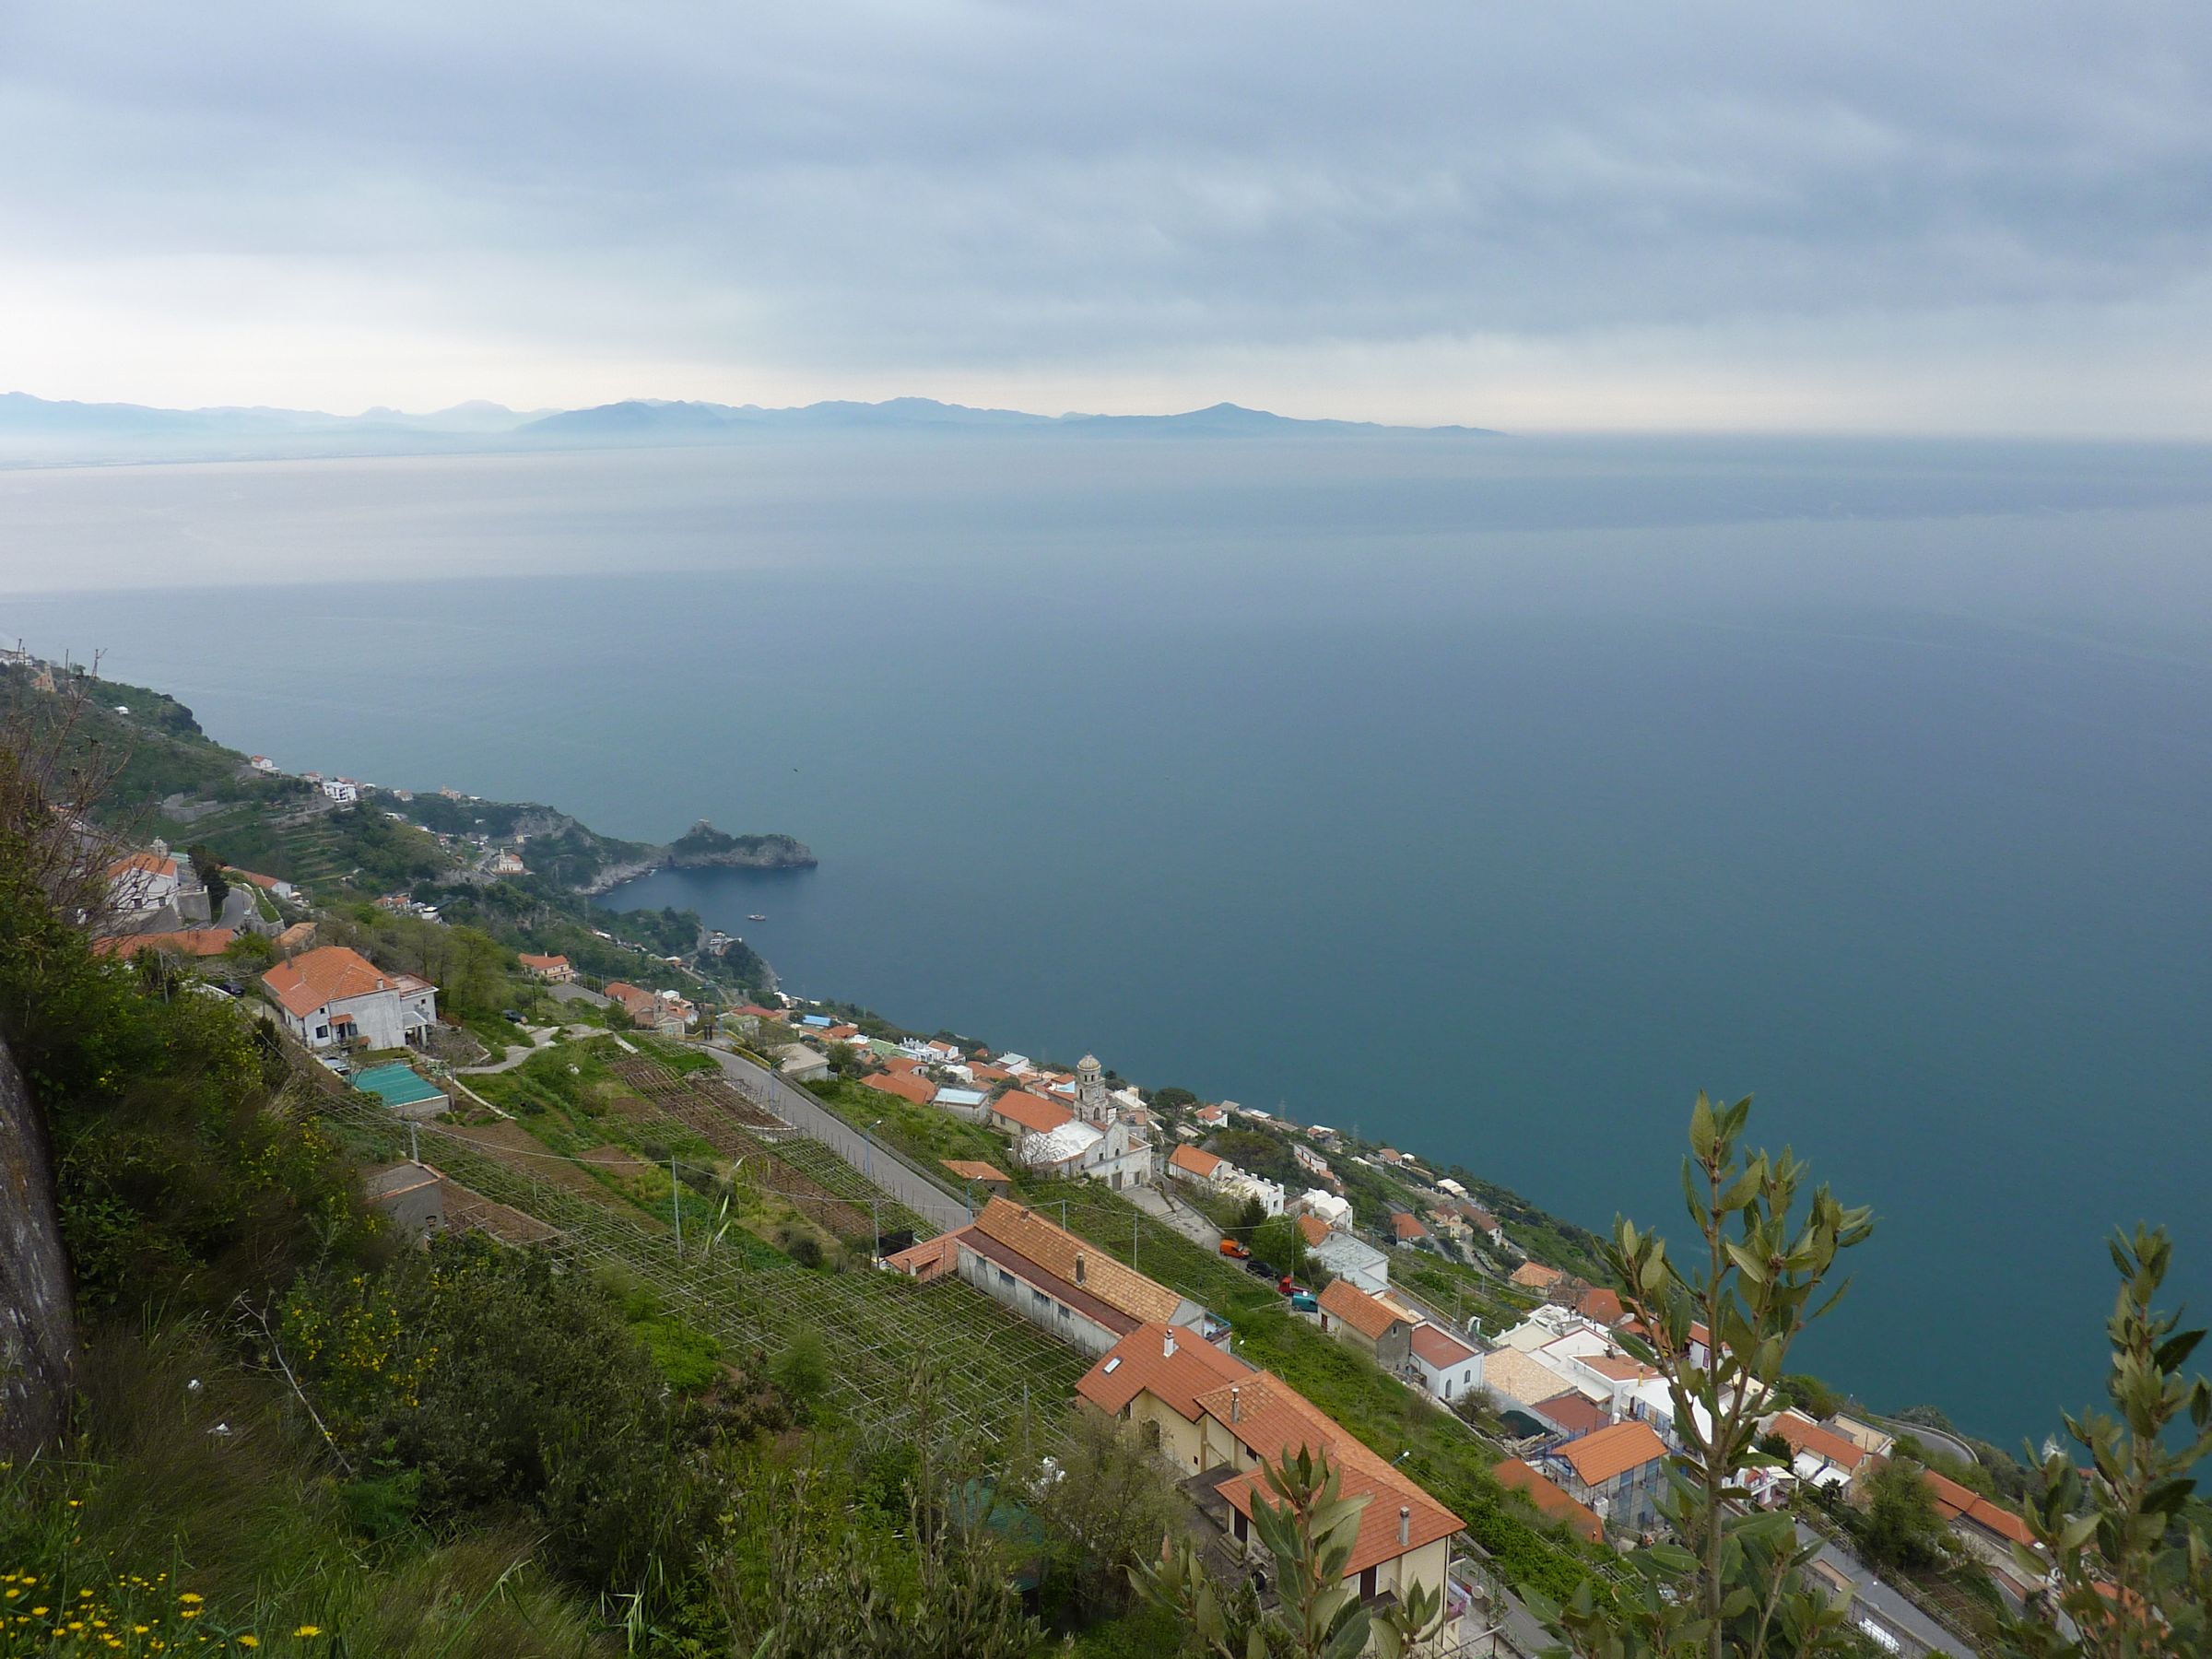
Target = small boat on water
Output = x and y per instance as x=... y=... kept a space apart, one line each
x=756 y=918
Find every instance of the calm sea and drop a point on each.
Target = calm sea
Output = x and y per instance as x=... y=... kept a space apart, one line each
x=1490 y=795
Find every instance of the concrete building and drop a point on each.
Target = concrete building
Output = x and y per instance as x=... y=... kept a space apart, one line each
x=1213 y=1416
x=801 y=1064
x=1352 y=1315
x=1617 y=1473
x=331 y=996
x=1355 y=1261
x=1064 y=1283
x=1447 y=1367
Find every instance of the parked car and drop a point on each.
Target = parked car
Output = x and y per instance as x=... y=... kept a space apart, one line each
x=1229 y=1247
x=512 y=1018
x=1262 y=1270
x=1303 y=1301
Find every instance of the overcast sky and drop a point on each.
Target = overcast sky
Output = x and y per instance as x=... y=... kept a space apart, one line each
x=1905 y=217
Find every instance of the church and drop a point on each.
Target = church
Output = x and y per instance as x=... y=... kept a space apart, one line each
x=1097 y=1143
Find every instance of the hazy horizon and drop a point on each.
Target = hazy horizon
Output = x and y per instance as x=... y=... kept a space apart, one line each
x=1723 y=217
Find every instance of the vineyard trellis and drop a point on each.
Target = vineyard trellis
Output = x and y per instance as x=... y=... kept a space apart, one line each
x=989 y=1366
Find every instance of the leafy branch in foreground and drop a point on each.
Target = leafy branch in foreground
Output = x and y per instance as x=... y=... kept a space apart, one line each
x=1735 y=1585
x=1309 y=1529
x=2129 y=1561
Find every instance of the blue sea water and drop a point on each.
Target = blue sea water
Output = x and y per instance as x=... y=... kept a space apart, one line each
x=1493 y=796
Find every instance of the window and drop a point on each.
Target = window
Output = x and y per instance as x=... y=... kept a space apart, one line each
x=1367 y=1584
x=1006 y=1279
x=1038 y=1298
x=1239 y=1525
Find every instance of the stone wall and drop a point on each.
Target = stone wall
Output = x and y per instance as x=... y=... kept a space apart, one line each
x=38 y=1325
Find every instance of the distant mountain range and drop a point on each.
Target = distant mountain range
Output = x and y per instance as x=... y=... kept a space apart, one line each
x=34 y=429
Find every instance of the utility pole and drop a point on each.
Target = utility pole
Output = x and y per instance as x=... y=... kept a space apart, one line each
x=675 y=1191
x=414 y=1146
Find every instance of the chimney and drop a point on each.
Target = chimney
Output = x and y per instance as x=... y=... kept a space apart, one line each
x=1167 y=1344
x=1236 y=1403
x=1405 y=1526
x=1079 y=1266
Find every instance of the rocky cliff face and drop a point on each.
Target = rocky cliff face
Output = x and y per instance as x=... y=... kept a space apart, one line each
x=37 y=1324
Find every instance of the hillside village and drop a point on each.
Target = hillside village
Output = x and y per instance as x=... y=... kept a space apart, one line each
x=1232 y=1284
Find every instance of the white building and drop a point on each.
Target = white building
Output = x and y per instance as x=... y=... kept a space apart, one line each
x=1355 y=1260
x=143 y=882
x=1447 y=1367
x=1096 y=1144
x=1310 y=1161
x=333 y=995
x=262 y=763
x=342 y=790
x=1325 y=1206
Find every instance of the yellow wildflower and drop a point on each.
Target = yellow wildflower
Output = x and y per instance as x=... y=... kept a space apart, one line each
x=308 y=1631
x=249 y=1640
x=190 y=1597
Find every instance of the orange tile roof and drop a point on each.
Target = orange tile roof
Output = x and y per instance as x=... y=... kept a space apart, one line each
x=1034 y=1238
x=1270 y=1417
x=332 y=973
x=1408 y=1225
x=1959 y=1502
x=1535 y=1276
x=1440 y=1347
x=147 y=864
x=1804 y=1435
x=1139 y=1363
x=253 y=877
x=1342 y=1300
x=1575 y=1413
x=1197 y=1162
x=183 y=941
x=542 y=962
x=907 y=1086
x=1602 y=1304
x=930 y=1259
x=1033 y=1112
x=1552 y=1503
x=1312 y=1228
x=971 y=1169
x=1597 y=1458
x=1377 y=1540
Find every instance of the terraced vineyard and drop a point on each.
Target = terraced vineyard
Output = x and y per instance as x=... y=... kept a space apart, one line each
x=986 y=1364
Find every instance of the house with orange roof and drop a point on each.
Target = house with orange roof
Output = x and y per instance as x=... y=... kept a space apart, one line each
x=1019 y=1112
x=1536 y=1277
x=1617 y=1473
x=1214 y=1416
x=986 y=1176
x=179 y=942
x=907 y=1085
x=1195 y=1165
x=1312 y=1229
x=1153 y=1378
x=1551 y=1503
x=267 y=884
x=1448 y=1367
x=1983 y=1525
x=139 y=882
x=298 y=937
x=330 y=996
x=1819 y=1456
x=1068 y=1285
x=553 y=970
x=1405 y=1229
x=1351 y=1315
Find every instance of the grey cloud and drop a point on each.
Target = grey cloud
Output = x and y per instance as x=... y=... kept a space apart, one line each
x=930 y=185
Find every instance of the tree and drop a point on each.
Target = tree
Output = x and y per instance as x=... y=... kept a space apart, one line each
x=209 y=869
x=1735 y=1589
x=1107 y=1501
x=2130 y=1557
x=1901 y=1526
x=1279 y=1240
x=1252 y=1215
x=1173 y=1099
x=1309 y=1528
